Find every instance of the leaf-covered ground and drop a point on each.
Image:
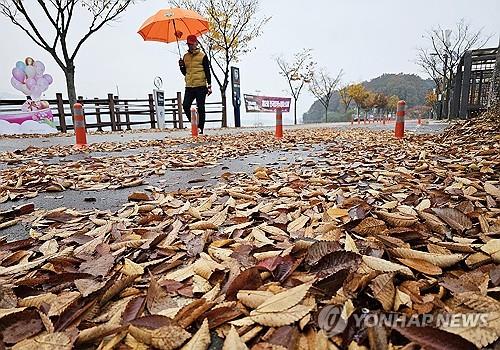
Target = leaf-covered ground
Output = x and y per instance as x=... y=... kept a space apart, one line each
x=370 y=223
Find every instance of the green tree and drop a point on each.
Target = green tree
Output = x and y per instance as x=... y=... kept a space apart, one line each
x=297 y=73
x=233 y=26
x=59 y=14
x=392 y=103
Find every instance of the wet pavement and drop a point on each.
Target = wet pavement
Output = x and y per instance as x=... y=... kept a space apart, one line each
x=12 y=144
x=173 y=180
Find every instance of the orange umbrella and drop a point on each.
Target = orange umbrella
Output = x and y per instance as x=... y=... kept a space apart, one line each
x=173 y=24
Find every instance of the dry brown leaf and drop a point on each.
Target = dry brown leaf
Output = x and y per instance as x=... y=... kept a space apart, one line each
x=130 y=268
x=422 y=266
x=454 y=217
x=441 y=260
x=50 y=341
x=383 y=290
x=370 y=226
x=492 y=248
x=297 y=224
x=492 y=189
x=253 y=298
x=383 y=265
x=284 y=300
x=396 y=219
x=233 y=341
x=282 y=318
x=200 y=340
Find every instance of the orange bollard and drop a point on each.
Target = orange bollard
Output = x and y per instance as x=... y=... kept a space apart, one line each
x=364 y=119
x=399 y=131
x=383 y=119
x=80 y=131
x=352 y=119
x=279 y=124
x=419 y=121
x=194 y=122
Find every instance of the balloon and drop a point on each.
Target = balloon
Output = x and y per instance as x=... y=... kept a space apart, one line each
x=35 y=93
x=42 y=84
x=18 y=74
x=30 y=71
x=38 y=75
x=25 y=90
x=31 y=83
x=39 y=67
x=48 y=77
x=29 y=61
x=15 y=83
x=20 y=65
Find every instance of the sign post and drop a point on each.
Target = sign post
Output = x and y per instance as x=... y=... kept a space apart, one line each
x=235 y=84
x=159 y=98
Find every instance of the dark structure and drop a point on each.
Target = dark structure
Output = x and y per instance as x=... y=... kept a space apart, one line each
x=472 y=83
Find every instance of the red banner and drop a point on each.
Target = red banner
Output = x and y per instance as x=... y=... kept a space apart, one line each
x=256 y=104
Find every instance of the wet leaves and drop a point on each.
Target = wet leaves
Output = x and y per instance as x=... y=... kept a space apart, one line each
x=363 y=223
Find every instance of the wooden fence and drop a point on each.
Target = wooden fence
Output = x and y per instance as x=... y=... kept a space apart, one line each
x=115 y=114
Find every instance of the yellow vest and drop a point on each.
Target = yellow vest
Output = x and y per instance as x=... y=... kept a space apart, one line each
x=195 y=74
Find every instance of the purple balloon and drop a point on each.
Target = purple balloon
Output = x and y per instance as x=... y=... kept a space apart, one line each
x=35 y=93
x=42 y=83
x=31 y=83
x=30 y=71
x=15 y=83
x=48 y=77
x=18 y=74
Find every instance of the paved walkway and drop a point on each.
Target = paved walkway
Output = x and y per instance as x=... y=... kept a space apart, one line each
x=12 y=144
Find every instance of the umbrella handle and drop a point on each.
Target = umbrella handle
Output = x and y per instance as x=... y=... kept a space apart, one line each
x=177 y=39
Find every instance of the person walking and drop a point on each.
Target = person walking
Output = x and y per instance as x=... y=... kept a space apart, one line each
x=196 y=69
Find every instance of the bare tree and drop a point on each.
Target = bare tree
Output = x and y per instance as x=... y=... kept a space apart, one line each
x=297 y=73
x=322 y=86
x=233 y=25
x=446 y=47
x=60 y=14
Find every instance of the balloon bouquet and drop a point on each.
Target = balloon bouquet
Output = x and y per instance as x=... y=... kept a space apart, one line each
x=29 y=77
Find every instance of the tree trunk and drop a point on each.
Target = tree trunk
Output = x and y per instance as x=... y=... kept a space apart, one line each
x=224 y=108
x=295 y=111
x=326 y=114
x=69 y=72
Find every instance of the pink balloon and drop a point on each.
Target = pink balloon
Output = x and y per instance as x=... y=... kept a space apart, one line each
x=18 y=74
x=31 y=83
x=48 y=77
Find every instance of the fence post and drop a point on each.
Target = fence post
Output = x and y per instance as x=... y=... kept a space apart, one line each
x=194 y=122
x=117 y=113
x=179 y=110
x=60 y=109
x=174 y=114
x=98 y=115
x=111 y=105
x=127 y=116
x=151 y=110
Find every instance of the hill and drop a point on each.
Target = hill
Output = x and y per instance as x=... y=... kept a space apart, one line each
x=409 y=87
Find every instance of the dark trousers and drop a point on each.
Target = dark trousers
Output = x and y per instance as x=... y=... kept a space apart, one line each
x=200 y=94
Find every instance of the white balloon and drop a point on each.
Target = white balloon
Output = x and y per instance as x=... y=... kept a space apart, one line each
x=30 y=71
x=25 y=90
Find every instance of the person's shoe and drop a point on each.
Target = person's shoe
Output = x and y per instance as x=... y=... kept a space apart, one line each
x=201 y=131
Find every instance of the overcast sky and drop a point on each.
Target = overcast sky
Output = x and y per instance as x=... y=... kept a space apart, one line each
x=365 y=38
